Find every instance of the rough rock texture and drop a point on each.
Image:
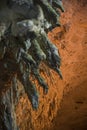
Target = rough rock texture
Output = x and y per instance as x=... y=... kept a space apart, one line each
x=73 y=112
x=10 y=91
x=71 y=40
x=24 y=36
x=72 y=43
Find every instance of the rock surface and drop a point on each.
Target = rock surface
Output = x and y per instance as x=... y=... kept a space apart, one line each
x=71 y=41
x=73 y=111
x=66 y=98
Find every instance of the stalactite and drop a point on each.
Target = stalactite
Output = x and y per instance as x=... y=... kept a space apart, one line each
x=26 y=23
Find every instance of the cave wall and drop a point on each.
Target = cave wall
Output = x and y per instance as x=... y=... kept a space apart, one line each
x=65 y=38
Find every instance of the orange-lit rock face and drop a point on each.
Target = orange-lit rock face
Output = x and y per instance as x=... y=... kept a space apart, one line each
x=72 y=43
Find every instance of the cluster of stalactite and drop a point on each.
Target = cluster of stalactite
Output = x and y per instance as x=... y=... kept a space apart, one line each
x=24 y=41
